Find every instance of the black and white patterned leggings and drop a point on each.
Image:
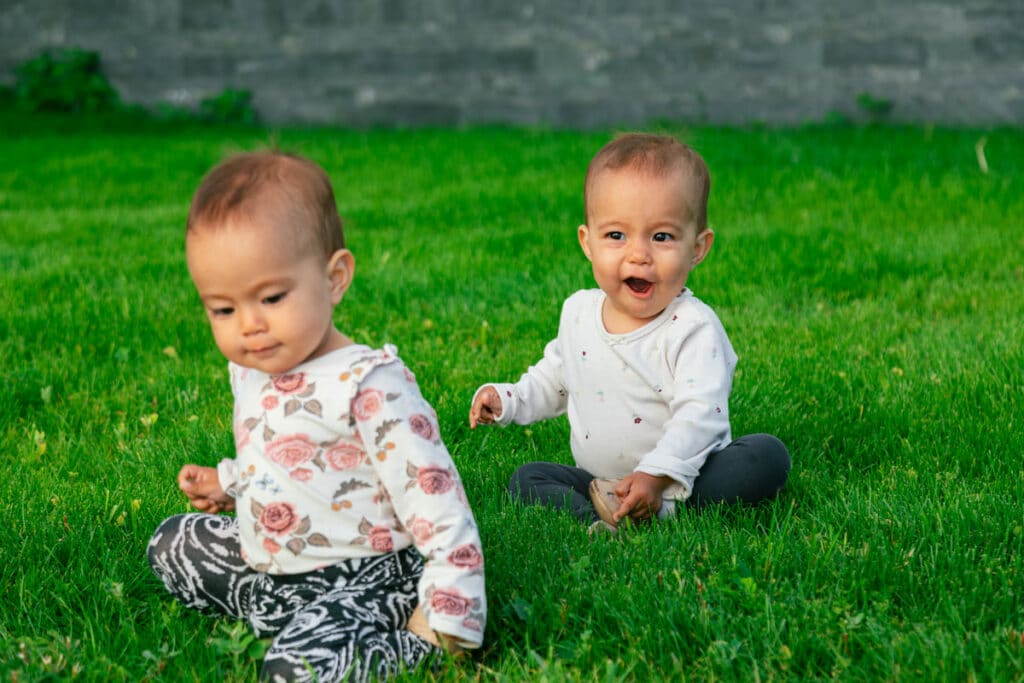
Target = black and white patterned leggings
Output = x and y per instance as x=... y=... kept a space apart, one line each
x=343 y=622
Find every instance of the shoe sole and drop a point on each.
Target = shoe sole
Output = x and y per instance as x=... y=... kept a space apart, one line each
x=605 y=500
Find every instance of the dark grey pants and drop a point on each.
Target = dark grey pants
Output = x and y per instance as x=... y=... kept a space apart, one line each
x=342 y=622
x=750 y=469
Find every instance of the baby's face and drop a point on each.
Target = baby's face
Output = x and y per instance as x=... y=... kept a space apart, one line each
x=642 y=243
x=269 y=299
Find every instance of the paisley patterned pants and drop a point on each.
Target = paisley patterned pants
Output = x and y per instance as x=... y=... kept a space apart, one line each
x=342 y=622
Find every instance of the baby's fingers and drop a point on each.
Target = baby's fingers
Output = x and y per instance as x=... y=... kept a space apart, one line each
x=624 y=507
x=481 y=413
x=187 y=477
x=635 y=506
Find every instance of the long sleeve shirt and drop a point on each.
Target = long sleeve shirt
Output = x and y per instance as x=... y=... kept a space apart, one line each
x=342 y=458
x=654 y=400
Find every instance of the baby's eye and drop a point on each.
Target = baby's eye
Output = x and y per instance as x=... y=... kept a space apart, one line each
x=222 y=312
x=663 y=237
x=275 y=298
x=615 y=235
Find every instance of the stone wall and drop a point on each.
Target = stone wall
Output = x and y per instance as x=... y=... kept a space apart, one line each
x=582 y=64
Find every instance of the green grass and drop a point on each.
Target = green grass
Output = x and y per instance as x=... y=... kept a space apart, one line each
x=870 y=279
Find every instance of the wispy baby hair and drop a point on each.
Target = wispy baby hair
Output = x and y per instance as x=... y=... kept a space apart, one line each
x=270 y=185
x=657 y=155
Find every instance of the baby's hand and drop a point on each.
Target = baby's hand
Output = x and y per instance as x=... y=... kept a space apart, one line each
x=640 y=494
x=202 y=487
x=486 y=407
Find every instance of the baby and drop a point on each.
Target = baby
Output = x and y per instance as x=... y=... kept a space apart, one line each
x=353 y=529
x=642 y=367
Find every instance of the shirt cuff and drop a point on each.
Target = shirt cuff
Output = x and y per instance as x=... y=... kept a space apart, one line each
x=455 y=633
x=227 y=476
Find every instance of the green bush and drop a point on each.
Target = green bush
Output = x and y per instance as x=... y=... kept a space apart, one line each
x=876 y=108
x=65 y=81
x=229 y=106
x=71 y=81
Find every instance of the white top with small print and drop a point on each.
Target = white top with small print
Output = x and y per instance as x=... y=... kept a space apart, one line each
x=654 y=400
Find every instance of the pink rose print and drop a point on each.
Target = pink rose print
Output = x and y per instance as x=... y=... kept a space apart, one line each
x=290 y=384
x=472 y=624
x=271 y=546
x=290 y=450
x=422 y=426
x=380 y=539
x=434 y=480
x=269 y=402
x=344 y=456
x=466 y=556
x=450 y=601
x=367 y=403
x=422 y=530
x=279 y=518
x=301 y=474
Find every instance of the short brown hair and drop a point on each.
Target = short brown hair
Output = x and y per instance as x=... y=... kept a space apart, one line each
x=248 y=183
x=657 y=155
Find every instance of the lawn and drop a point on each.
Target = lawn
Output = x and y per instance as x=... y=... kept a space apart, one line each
x=871 y=281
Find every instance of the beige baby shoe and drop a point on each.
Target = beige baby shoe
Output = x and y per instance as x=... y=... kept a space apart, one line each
x=605 y=500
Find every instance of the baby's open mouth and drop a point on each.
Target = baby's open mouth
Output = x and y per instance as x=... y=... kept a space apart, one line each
x=639 y=286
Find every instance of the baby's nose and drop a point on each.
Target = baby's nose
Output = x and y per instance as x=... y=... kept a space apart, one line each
x=640 y=252
x=253 y=320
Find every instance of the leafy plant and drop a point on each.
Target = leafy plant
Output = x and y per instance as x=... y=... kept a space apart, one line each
x=66 y=81
x=236 y=641
x=6 y=96
x=71 y=81
x=836 y=119
x=229 y=106
x=876 y=108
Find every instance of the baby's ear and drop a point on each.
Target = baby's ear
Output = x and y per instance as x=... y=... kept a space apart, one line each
x=702 y=246
x=341 y=267
x=582 y=234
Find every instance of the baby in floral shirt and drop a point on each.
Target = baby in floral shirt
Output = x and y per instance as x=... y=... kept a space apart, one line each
x=353 y=545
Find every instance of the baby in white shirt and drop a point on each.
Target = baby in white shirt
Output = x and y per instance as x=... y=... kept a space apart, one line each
x=642 y=367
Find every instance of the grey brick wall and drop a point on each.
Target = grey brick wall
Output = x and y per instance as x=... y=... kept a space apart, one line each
x=585 y=63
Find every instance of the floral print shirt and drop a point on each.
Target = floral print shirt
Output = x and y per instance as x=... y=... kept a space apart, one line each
x=342 y=458
x=654 y=400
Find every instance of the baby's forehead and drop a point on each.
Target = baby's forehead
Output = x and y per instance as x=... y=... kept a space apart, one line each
x=643 y=168
x=677 y=178
x=678 y=183
x=277 y=226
